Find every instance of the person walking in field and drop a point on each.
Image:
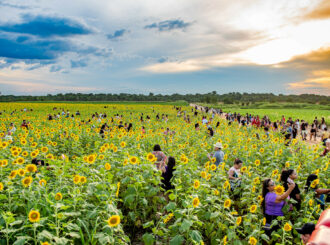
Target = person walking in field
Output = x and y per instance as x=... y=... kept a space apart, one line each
x=161 y=162
x=313 y=131
x=218 y=154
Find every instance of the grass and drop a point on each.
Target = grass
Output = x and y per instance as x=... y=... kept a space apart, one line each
x=275 y=111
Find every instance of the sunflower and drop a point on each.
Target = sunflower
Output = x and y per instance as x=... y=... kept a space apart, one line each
x=311 y=202
x=315 y=183
x=151 y=157
x=216 y=192
x=287 y=227
x=33 y=154
x=123 y=144
x=253 y=208
x=107 y=166
x=238 y=220
x=196 y=184
x=213 y=160
x=25 y=153
x=195 y=202
x=243 y=169
x=275 y=172
x=27 y=181
x=226 y=184
x=225 y=240
x=114 y=220
x=21 y=172
x=13 y=174
x=115 y=149
x=257 y=162
x=213 y=167
x=252 y=241
x=15 y=153
x=4 y=163
x=31 y=168
x=227 y=203
x=261 y=150
x=256 y=180
x=83 y=179
x=279 y=190
x=1 y=186
x=44 y=149
x=42 y=182
x=58 y=196
x=133 y=160
x=76 y=179
x=91 y=159
x=118 y=187
x=34 y=216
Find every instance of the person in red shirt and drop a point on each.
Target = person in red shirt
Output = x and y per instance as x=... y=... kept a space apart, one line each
x=24 y=124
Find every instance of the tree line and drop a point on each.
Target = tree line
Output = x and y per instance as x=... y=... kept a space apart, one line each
x=211 y=97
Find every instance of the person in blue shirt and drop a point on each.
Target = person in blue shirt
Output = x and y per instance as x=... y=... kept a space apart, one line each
x=218 y=154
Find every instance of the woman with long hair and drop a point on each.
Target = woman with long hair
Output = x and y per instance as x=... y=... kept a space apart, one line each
x=273 y=203
x=289 y=176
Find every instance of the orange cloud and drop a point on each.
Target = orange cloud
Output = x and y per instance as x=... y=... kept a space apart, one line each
x=315 y=60
x=322 y=11
x=319 y=83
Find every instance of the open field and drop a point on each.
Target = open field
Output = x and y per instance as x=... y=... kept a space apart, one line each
x=107 y=191
x=296 y=111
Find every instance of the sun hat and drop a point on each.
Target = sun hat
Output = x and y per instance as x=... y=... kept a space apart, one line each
x=307 y=228
x=218 y=145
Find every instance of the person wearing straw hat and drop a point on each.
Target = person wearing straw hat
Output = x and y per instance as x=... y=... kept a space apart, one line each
x=217 y=154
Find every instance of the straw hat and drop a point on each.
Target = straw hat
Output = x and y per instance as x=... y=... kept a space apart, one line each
x=218 y=145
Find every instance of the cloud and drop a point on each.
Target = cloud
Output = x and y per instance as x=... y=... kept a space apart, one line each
x=168 y=25
x=44 y=26
x=319 y=83
x=314 y=60
x=40 y=49
x=14 y=5
x=193 y=65
x=322 y=11
x=117 y=34
x=78 y=63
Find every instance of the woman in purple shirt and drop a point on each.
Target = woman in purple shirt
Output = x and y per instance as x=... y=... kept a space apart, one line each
x=272 y=203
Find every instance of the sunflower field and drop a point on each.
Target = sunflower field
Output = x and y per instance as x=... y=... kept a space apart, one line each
x=106 y=190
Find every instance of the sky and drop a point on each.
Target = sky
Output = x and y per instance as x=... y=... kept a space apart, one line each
x=185 y=46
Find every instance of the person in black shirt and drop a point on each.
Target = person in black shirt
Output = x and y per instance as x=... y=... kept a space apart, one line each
x=288 y=176
x=168 y=174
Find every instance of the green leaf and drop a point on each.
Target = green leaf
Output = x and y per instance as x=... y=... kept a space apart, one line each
x=21 y=240
x=74 y=234
x=3 y=197
x=148 y=239
x=196 y=236
x=129 y=199
x=185 y=225
x=171 y=196
x=45 y=234
x=177 y=240
x=148 y=224
x=72 y=226
x=170 y=206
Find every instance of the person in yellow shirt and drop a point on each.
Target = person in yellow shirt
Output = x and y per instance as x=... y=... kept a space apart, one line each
x=325 y=135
